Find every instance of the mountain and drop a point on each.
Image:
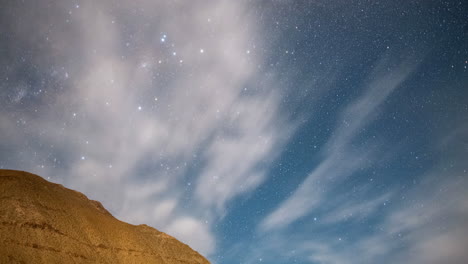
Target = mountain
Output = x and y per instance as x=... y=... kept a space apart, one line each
x=43 y=222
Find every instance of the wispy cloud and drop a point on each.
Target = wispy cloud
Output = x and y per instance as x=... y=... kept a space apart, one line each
x=425 y=227
x=340 y=158
x=421 y=223
x=350 y=210
x=153 y=111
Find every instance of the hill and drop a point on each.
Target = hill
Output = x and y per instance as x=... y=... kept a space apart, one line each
x=43 y=222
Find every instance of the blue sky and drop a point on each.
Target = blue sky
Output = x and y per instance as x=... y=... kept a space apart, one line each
x=255 y=131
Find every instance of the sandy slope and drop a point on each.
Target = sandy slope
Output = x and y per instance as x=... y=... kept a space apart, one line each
x=43 y=222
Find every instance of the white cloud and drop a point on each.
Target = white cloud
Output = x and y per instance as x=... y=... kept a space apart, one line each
x=164 y=210
x=351 y=209
x=140 y=152
x=428 y=228
x=422 y=223
x=193 y=232
x=341 y=159
x=234 y=157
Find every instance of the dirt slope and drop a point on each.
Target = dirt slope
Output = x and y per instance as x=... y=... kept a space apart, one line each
x=43 y=222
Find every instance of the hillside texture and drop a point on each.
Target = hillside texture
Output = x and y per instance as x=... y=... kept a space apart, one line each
x=43 y=222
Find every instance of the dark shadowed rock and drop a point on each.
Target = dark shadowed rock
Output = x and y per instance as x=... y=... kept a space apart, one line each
x=43 y=222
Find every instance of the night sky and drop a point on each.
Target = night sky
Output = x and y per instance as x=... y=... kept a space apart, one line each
x=255 y=131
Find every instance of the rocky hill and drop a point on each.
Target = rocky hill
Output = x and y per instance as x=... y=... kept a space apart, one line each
x=43 y=222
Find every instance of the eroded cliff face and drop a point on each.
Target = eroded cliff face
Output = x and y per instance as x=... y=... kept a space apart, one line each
x=43 y=222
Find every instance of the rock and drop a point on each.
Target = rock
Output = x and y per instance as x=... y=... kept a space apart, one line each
x=43 y=222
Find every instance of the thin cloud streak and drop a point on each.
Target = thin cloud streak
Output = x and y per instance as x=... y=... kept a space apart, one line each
x=423 y=223
x=340 y=159
x=416 y=224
